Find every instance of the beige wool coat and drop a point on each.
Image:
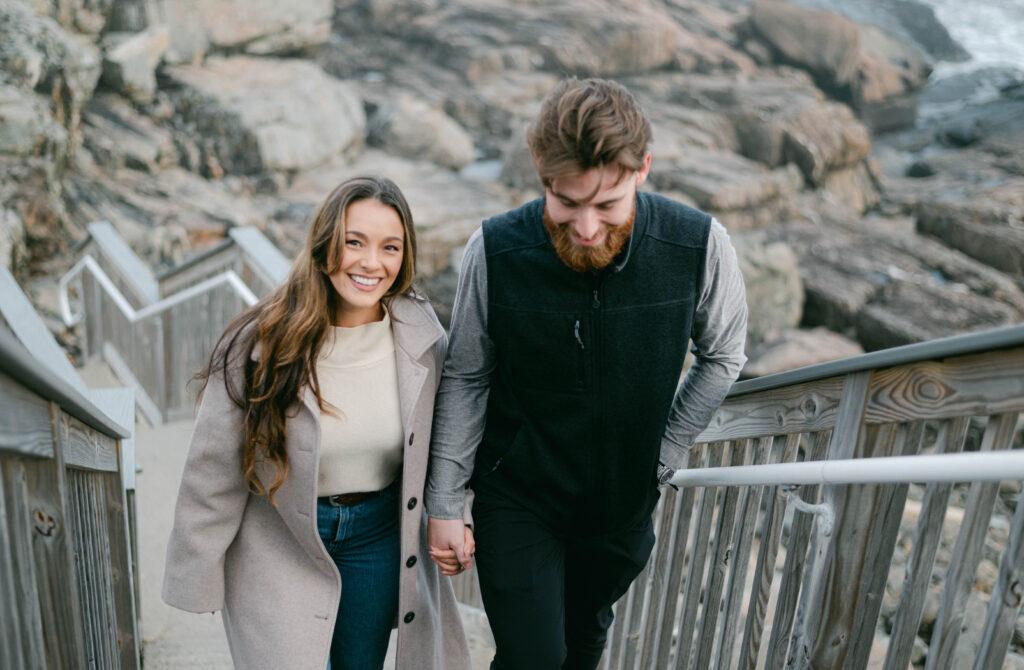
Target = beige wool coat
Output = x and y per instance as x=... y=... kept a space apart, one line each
x=265 y=566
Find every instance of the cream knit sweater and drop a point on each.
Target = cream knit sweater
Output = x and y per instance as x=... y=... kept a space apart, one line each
x=361 y=447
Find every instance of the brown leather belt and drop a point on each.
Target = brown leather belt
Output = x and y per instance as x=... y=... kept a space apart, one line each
x=349 y=499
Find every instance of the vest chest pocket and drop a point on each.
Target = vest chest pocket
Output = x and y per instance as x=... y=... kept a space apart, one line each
x=543 y=350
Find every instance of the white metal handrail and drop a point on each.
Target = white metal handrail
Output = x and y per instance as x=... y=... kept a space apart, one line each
x=88 y=263
x=925 y=468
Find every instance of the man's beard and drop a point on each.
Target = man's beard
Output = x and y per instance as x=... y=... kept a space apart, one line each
x=582 y=258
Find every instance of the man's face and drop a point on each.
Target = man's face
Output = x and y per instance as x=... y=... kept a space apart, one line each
x=590 y=215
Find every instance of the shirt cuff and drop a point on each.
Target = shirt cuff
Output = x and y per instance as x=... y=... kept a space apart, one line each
x=445 y=506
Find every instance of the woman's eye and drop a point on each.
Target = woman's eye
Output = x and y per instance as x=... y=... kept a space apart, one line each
x=394 y=248
x=352 y=243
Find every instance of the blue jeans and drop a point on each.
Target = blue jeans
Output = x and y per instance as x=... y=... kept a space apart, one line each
x=363 y=540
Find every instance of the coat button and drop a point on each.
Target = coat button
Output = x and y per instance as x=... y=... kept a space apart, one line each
x=409 y=617
x=412 y=503
x=411 y=562
x=411 y=435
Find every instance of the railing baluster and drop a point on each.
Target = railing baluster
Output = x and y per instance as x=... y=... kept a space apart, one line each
x=967 y=554
x=724 y=552
x=741 y=560
x=1006 y=599
x=922 y=555
x=796 y=555
x=698 y=558
x=684 y=507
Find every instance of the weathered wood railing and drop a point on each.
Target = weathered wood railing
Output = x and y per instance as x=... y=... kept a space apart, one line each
x=742 y=577
x=67 y=597
x=155 y=344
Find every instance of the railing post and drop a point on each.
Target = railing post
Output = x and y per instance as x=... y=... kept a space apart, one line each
x=817 y=636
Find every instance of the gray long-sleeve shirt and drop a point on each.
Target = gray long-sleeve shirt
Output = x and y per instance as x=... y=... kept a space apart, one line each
x=719 y=331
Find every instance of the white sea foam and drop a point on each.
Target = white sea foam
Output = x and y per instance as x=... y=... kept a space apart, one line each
x=992 y=31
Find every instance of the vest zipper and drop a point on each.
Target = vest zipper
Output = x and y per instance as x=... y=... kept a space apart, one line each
x=581 y=361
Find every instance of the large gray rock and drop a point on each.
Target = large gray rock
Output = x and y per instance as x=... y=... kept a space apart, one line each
x=27 y=128
x=130 y=60
x=263 y=27
x=879 y=282
x=775 y=294
x=12 y=241
x=37 y=54
x=118 y=136
x=880 y=75
x=985 y=224
x=741 y=193
x=310 y=119
x=824 y=43
x=410 y=127
x=790 y=349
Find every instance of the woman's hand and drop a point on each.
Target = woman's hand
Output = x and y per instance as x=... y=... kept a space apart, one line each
x=450 y=555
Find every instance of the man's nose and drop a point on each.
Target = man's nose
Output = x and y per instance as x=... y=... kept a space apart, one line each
x=587 y=224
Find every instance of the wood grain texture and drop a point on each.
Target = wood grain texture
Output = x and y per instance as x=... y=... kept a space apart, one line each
x=796 y=557
x=722 y=556
x=85 y=448
x=883 y=531
x=797 y=409
x=967 y=553
x=698 y=547
x=25 y=592
x=980 y=385
x=922 y=555
x=12 y=652
x=684 y=509
x=25 y=426
x=1006 y=600
x=749 y=508
x=52 y=551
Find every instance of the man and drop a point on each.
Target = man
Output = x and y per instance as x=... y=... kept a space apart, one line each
x=559 y=401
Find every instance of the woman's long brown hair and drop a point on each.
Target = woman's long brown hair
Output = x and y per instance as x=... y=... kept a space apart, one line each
x=291 y=325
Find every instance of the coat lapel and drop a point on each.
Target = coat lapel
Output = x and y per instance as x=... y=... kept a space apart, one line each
x=415 y=334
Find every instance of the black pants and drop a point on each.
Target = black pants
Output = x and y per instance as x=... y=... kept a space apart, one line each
x=549 y=594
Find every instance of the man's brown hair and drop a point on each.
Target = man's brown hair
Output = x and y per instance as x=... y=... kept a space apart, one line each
x=585 y=124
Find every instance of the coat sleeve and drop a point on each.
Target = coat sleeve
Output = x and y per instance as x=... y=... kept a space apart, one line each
x=210 y=504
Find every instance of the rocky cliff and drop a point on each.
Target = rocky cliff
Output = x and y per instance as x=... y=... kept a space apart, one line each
x=870 y=208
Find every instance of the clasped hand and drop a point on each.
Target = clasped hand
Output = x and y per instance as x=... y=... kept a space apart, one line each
x=451 y=545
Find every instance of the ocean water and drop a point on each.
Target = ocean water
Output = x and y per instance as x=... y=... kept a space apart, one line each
x=992 y=31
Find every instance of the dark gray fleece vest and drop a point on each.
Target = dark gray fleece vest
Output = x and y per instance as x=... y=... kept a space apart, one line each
x=587 y=364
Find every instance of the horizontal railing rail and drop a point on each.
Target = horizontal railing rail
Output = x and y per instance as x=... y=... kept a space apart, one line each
x=87 y=263
x=157 y=348
x=920 y=469
x=797 y=539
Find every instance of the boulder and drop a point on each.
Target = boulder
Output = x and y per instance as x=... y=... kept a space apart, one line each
x=12 y=241
x=775 y=294
x=981 y=225
x=130 y=60
x=877 y=280
x=594 y=38
x=790 y=349
x=311 y=119
x=264 y=27
x=742 y=194
x=37 y=54
x=411 y=128
x=117 y=136
x=824 y=43
x=856 y=188
x=880 y=75
x=28 y=128
x=890 y=75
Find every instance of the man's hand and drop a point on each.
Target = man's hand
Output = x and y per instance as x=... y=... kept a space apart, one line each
x=451 y=545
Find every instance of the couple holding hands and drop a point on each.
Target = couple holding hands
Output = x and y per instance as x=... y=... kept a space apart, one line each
x=342 y=439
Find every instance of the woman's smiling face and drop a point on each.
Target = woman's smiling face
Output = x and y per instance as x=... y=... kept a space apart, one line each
x=371 y=258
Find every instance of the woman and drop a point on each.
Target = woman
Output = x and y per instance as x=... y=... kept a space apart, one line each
x=299 y=513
